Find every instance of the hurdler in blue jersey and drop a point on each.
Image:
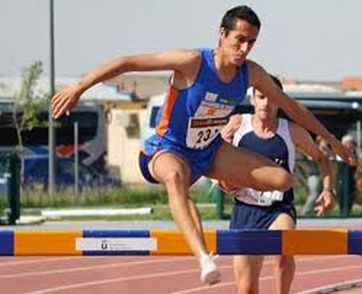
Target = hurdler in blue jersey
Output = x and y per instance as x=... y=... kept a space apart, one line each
x=206 y=86
x=191 y=119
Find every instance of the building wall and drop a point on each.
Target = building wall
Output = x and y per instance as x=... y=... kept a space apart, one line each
x=124 y=143
x=143 y=84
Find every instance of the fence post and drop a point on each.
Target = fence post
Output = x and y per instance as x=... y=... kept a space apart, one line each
x=345 y=191
x=219 y=197
x=213 y=191
x=13 y=166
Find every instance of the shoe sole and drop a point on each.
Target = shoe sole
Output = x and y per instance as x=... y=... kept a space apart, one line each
x=213 y=278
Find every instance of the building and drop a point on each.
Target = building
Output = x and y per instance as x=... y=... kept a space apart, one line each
x=131 y=101
x=125 y=122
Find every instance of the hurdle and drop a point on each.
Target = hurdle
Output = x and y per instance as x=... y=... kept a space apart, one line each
x=171 y=242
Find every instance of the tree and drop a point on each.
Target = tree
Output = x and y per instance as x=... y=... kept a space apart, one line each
x=28 y=104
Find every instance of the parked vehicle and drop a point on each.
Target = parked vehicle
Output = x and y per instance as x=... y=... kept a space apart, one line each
x=35 y=173
x=339 y=111
x=3 y=180
x=89 y=122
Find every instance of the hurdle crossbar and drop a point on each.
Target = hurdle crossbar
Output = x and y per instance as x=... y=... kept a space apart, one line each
x=172 y=242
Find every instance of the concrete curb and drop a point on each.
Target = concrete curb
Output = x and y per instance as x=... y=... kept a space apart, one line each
x=56 y=213
x=31 y=219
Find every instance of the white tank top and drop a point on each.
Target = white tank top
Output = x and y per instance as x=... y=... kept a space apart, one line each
x=278 y=148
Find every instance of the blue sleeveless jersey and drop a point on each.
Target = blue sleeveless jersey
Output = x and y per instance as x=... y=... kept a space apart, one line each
x=192 y=118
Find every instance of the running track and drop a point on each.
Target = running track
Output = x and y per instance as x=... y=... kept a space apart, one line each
x=150 y=274
x=167 y=274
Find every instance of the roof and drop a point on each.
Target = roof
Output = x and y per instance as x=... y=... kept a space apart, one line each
x=9 y=87
x=312 y=90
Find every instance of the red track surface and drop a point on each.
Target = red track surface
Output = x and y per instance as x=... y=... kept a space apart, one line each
x=159 y=275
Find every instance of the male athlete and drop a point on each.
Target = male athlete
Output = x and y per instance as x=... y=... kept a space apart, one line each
x=275 y=138
x=205 y=88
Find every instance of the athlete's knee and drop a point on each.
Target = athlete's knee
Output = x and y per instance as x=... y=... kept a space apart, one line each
x=247 y=283
x=176 y=178
x=285 y=262
x=247 y=287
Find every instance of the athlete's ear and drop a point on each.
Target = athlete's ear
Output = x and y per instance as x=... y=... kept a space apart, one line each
x=222 y=33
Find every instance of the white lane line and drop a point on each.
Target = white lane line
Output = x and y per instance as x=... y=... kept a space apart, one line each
x=345 y=285
x=148 y=276
x=27 y=260
x=86 y=268
x=306 y=273
x=41 y=260
x=118 y=264
x=107 y=281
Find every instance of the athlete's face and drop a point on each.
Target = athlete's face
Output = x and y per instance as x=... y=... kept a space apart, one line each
x=264 y=109
x=237 y=43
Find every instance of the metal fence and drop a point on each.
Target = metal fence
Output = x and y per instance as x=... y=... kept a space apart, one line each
x=348 y=189
x=10 y=184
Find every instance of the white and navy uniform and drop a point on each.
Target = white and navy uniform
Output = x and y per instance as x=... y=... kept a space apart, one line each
x=258 y=209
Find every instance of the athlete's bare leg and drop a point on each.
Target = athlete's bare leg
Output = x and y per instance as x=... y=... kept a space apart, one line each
x=173 y=171
x=247 y=270
x=242 y=168
x=284 y=268
x=196 y=216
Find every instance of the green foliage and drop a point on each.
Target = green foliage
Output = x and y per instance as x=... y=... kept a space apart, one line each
x=128 y=197
x=96 y=197
x=34 y=200
x=28 y=104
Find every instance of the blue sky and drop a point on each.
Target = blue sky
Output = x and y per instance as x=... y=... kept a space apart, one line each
x=301 y=39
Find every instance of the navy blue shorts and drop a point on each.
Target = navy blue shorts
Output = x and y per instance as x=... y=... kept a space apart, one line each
x=143 y=161
x=199 y=161
x=246 y=216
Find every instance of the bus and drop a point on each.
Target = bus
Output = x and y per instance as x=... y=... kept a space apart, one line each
x=90 y=119
x=340 y=112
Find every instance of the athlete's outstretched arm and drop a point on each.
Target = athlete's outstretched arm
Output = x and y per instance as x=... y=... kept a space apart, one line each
x=183 y=62
x=261 y=80
x=326 y=200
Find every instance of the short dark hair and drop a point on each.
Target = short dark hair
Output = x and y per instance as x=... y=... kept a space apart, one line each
x=242 y=12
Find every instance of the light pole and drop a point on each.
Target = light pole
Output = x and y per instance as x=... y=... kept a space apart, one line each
x=51 y=131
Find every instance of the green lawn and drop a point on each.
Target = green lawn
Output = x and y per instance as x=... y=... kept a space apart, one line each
x=32 y=201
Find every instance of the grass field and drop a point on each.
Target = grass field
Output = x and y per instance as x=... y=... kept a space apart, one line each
x=34 y=200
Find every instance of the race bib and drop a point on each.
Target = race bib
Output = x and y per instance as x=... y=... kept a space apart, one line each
x=261 y=198
x=208 y=120
x=202 y=131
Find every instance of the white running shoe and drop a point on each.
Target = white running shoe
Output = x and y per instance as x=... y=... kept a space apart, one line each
x=210 y=273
